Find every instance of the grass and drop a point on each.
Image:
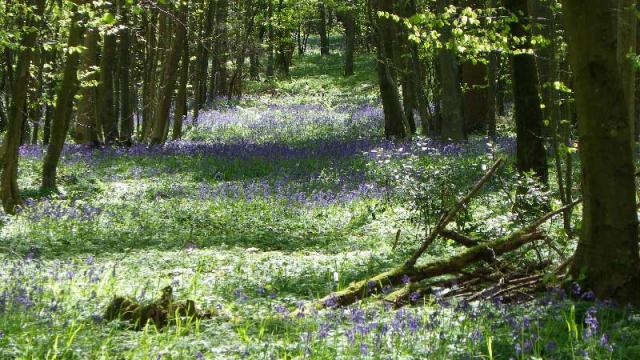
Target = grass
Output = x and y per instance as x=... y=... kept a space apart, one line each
x=271 y=202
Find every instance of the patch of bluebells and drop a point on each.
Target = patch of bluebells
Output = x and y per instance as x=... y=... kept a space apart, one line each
x=462 y=328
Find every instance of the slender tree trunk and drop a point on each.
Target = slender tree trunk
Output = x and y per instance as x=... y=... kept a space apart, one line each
x=149 y=75
x=219 y=74
x=126 y=111
x=492 y=69
x=35 y=107
x=181 y=97
x=169 y=77
x=202 y=59
x=607 y=254
x=86 y=130
x=9 y=190
x=531 y=153
x=322 y=28
x=395 y=123
x=46 y=131
x=347 y=17
x=106 y=102
x=64 y=105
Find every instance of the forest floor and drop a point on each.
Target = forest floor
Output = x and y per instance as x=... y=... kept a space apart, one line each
x=271 y=202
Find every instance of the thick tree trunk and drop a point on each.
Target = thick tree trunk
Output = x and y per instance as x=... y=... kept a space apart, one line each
x=607 y=255
x=106 y=102
x=452 y=127
x=475 y=98
x=64 y=106
x=9 y=190
x=626 y=32
x=531 y=153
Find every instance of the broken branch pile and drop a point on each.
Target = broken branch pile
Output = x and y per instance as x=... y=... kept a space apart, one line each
x=426 y=278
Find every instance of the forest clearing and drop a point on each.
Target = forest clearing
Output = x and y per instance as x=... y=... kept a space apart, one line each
x=274 y=179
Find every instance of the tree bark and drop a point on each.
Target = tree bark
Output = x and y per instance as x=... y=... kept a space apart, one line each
x=607 y=254
x=124 y=64
x=181 y=97
x=9 y=190
x=395 y=122
x=348 y=20
x=64 y=105
x=452 y=127
x=322 y=28
x=106 y=102
x=531 y=153
x=86 y=130
x=169 y=77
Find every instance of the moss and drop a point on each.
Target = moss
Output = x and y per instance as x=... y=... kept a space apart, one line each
x=159 y=313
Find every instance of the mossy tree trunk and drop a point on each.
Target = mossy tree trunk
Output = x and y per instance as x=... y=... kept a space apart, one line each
x=606 y=259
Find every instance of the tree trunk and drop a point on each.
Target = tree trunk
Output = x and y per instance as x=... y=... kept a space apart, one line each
x=607 y=257
x=9 y=190
x=347 y=17
x=322 y=28
x=106 y=102
x=451 y=92
x=169 y=77
x=181 y=97
x=64 y=105
x=86 y=130
x=219 y=74
x=126 y=111
x=395 y=122
x=475 y=98
x=492 y=72
x=531 y=153
x=626 y=32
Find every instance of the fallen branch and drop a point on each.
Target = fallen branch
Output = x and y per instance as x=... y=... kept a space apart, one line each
x=362 y=289
x=451 y=214
x=488 y=251
x=459 y=238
